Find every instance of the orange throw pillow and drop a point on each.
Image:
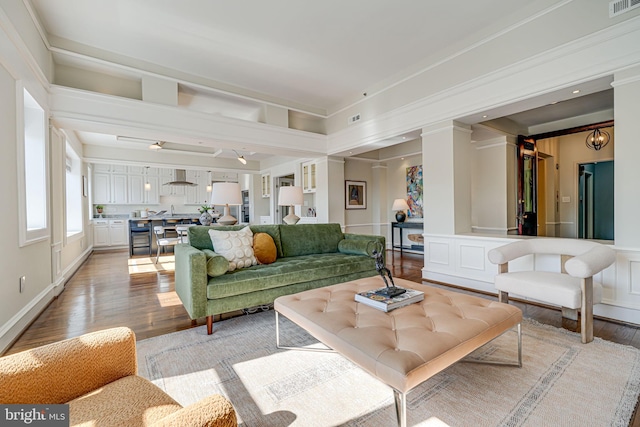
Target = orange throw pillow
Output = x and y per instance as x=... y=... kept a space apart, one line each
x=264 y=248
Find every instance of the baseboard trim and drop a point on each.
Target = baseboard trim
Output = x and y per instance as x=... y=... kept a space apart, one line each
x=12 y=330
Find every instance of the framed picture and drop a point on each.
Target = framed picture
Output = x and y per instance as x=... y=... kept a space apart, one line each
x=355 y=195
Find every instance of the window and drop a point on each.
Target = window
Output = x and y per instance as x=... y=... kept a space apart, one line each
x=73 y=192
x=32 y=169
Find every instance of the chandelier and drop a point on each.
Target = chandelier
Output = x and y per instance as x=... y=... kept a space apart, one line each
x=597 y=139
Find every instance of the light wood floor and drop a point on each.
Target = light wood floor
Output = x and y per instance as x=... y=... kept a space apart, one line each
x=107 y=292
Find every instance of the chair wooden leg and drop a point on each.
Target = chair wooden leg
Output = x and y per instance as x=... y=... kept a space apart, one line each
x=570 y=313
x=209 y=325
x=503 y=297
x=586 y=315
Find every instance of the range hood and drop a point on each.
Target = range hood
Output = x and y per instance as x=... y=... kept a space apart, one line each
x=181 y=179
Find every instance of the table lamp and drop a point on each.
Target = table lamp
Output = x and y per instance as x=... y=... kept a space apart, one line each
x=290 y=196
x=400 y=205
x=226 y=193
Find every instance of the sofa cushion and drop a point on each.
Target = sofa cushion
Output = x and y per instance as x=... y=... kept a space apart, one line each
x=235 y=246
x=306 y=239
x=217 y=264
x=199 y=235
x=550 y=287
x=287 y=271
x=264 y=248
x=129 y=401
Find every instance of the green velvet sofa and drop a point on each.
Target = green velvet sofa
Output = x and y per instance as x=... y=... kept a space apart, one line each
x=308 y=256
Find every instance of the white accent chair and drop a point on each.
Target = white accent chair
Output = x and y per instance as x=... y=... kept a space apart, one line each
x=162 y=240
x=572 y=288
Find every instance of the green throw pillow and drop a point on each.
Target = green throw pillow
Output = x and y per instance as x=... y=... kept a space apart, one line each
x=217 y=265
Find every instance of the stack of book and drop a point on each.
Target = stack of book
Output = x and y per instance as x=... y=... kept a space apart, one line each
x=385 y=303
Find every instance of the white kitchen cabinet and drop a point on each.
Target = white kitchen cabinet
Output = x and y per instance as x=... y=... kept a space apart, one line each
x=101 y=188
x=152 y=195
x=110 y=232
x=101 y=233
x=138 y=194
x=119 y=189
x=105 y=168
x=118 y=232
x=110 y=188
x=198 y=195
x=309 y=177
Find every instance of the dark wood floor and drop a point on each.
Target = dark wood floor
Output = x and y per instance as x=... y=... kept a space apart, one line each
x=107 y=292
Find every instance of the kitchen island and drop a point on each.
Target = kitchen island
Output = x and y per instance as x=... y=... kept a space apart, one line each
x=142 y=240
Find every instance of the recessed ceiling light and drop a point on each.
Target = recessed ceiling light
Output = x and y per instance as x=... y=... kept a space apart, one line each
x=485 y=116
x=576 y=91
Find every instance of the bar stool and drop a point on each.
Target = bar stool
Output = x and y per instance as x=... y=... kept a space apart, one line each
x=182 y=232
x=139 y=236
x=162 y=240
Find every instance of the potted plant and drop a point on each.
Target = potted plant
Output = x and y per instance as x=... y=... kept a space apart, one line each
x=99 y=208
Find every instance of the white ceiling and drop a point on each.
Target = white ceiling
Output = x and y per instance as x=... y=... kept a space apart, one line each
x=313 y=56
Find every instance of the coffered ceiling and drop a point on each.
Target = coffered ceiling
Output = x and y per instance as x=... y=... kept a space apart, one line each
x=314 y=57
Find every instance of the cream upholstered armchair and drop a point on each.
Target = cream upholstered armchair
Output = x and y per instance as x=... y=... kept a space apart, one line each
x=572 y=288
x=96 y=374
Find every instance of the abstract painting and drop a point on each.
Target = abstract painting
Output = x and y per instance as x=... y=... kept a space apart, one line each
x=414 y=191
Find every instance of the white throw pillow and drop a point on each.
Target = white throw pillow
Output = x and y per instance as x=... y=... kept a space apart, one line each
x=235 y=246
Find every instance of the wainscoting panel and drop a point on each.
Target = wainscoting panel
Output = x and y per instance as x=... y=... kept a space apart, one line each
x=472 y=257
x=438 y=253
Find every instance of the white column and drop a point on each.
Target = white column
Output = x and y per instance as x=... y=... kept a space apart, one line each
x=379 y=202
x=626 y=89
x=446 y=169
x=330 y=190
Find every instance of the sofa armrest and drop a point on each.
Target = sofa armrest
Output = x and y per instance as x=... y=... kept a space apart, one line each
x=363 y=243
x=191 y=279
x=60 y=372
x=212 y=411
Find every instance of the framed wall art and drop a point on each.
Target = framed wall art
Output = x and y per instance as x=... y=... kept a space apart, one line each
x=355 y=194
x=414 y=191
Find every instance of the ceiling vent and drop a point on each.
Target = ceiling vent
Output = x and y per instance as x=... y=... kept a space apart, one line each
x=356 y=117
x=619 y=7
x=181 y=179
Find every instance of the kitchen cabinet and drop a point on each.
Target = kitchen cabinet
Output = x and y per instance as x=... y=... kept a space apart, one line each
x=309 y=177
x=104 y=168
x=198 y=195
x=110 y=232
x=110 y=188
x=137 y=192
x=266 y=185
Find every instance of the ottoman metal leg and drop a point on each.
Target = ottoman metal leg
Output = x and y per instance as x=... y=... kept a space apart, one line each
x=401 y=407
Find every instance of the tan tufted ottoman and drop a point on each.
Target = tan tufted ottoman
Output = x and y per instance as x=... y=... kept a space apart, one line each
x=403 y=347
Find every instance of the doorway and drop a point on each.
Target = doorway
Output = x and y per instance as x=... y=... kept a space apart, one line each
x=527 y=186
x=595 y=200
x=542 y=197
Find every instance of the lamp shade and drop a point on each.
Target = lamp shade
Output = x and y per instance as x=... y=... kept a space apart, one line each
x=400 y=205
x=290 y=196
x=226 y=193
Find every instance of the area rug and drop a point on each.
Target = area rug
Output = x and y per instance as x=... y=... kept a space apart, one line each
x=562 y=382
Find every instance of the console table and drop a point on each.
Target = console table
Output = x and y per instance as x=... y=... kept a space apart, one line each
x=401 y=226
